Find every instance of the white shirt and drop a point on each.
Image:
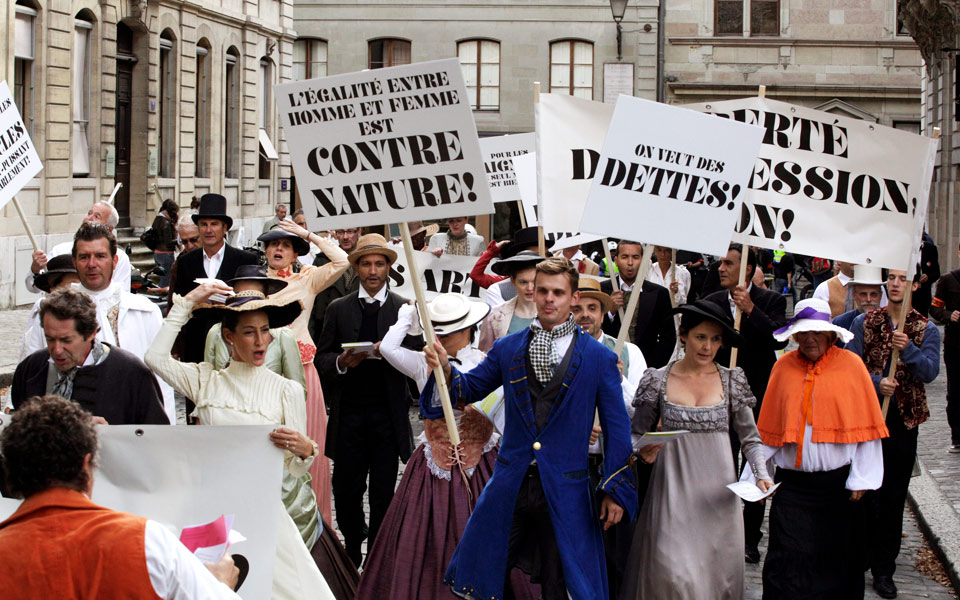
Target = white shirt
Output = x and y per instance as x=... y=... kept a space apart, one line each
x=494 y=295
x=175 y=573
x=655 y=275
x=865 y=460
x=366 y=297
x=823 y=292
x=211 y=264
x=121 y=272
x=629 y=383
x=733 y=305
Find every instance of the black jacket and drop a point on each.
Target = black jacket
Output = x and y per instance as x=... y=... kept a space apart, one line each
x=947 y=300
x=121 y=389
x=758 y=352
x=346 y=283
x=653 y=329
x=187 y=268
x=341 y=324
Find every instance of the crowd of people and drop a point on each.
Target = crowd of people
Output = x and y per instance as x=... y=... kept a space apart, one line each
x=562 y=483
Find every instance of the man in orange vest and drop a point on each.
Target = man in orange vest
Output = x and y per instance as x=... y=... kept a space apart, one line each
x=59 y=544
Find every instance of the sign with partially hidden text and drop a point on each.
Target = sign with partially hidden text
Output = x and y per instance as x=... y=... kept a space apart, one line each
x=19 y=162
x=384 y=146
x=498 y=155
x=832 y=186
x=671 y=177
x=438 y=275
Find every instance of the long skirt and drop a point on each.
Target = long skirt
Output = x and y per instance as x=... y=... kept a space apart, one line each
x=317 y=431
x=814 y=552
x=334 y=564
x=421 y=530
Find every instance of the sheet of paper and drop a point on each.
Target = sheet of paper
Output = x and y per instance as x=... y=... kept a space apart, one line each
x=749 y=491
x=209 y=541
x=216 y=298
x=660 y=437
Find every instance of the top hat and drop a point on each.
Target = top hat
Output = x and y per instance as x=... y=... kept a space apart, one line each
x=56 y=267
x=372 y=243
x=300 y=245
x=257 y=273
x=590 y=288
x=522 y=240
x=213 y=206
x=711 y=311
x=867 y=275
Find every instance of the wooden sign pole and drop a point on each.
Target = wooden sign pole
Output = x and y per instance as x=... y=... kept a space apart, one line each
x=523 y=217
x=673 y=275
x=113 y=194
x=614 y=276
x=738 y=315
x=634 y=298
x=428 y=331
x=26 y=226
x=541 y=242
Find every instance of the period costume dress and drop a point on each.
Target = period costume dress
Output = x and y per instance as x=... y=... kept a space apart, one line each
x=689 y=537
x=305 y=286
x=434 y=500
x=243 y=394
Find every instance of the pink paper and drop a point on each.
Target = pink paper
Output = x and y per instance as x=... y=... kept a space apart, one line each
x=215 y=533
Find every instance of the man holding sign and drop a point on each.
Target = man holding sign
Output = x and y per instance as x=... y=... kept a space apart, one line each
x=555 y=376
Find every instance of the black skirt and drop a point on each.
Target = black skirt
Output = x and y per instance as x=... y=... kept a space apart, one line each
x=816 y=532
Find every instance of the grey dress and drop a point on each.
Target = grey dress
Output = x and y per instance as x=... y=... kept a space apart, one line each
x=689 y=538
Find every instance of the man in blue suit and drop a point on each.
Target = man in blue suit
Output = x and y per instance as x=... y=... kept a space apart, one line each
x=538 y=510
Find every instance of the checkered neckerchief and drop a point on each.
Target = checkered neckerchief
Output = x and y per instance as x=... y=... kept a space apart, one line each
x=544 y=357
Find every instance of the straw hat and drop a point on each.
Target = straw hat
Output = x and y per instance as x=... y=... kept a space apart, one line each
x=279 y=314
x=590 y=288
x=526 y=259
x=372 y=243
x=300 y=245
x=271 y=285
x=812 y=314
x=867 y=275
x=709 y=310
x=418 y=226
x=56 y=266
x=452 y=312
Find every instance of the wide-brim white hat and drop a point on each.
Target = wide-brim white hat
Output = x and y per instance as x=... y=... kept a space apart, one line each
x=867 y=275
x=812 y=314
x=452 y=312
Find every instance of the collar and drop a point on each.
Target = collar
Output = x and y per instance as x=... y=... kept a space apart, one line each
x=536 y=321
x=381 y=295
x=217 y=254
x=111 y=290
x=53 y=497
x=844 y=280
x=730 y=296
x=576 y=257
x=628 y=287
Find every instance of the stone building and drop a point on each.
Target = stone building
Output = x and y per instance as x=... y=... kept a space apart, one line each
x=936 y=28
x=844 y=56
x=172 y=99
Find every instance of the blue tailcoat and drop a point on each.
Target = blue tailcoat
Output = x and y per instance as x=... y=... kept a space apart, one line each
x=591 y=383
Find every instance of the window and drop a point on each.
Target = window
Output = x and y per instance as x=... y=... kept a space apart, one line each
x=388 y=53
x=167 y=146
x=232 y=124
x=24 y=52
x=901 y=26
x=267 y=152
x=728 y=15
x=764 y=17
x=571 y=68
x=82 y=29
x=201 y=167
x=480 y=60
x=309 y=59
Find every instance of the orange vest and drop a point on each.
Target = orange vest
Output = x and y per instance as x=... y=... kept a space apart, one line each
x=61 y=545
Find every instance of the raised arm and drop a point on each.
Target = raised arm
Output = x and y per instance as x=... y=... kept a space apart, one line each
x=408 y=362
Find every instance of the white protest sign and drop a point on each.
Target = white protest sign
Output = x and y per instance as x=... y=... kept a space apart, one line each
x=570 y=134
x=832 y=186
x=671 y=177
x=384 y=146
x=19 y=162
x=438 y=274
x=525 y=168
x=180 y=476
x=498 y=154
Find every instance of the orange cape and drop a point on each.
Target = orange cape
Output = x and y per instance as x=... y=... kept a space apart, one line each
x=835 y=395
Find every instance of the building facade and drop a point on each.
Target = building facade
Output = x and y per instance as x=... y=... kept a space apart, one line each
x=936 y=28
x=171 y=99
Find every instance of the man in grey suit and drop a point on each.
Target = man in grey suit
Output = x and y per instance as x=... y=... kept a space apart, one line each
x=368 y=430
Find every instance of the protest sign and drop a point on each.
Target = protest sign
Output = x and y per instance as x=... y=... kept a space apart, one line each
x=180 y=476
x=570 y=134
x=498 y=154
x=384 y=146
x=671 y=177
x=438 y=274
x=828 y=185
x=525 y=168
x=18 y=158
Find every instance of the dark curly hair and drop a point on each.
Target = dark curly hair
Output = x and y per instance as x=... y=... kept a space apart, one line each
x=68 y=303
x=44 y=445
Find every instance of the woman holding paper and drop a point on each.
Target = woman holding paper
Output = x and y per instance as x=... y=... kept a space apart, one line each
x=689 y=538
x=248 y=393
x=284 y=244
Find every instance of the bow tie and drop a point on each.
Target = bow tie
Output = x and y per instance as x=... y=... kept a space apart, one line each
x=283 y=274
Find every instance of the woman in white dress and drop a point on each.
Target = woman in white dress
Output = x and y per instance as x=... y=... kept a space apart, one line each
x=247 y=393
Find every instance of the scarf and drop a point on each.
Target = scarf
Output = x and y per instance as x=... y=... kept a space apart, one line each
x=835 y=396
x=544 y=357
x=64 y=384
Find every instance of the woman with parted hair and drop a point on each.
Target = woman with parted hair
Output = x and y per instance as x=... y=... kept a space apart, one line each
x=164 y=224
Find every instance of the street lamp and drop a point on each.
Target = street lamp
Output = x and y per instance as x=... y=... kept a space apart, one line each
x=619 y=8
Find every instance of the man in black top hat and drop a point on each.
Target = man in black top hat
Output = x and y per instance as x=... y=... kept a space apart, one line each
x=215 y=259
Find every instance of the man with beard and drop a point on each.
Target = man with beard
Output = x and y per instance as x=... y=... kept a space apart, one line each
x=867 y=284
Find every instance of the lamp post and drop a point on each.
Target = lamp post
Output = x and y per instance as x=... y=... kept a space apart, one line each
x=619 y=8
